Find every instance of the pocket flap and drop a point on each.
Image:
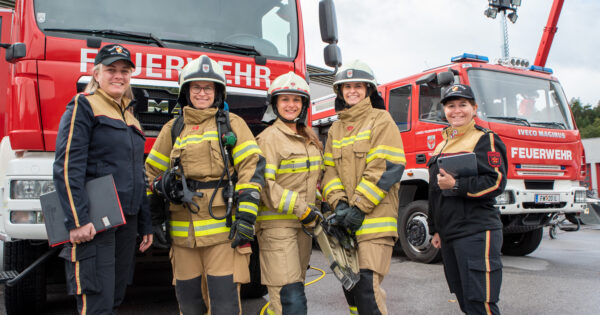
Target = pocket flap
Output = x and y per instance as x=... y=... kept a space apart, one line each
x=480 y=264
x=362 y=146
x=78 y=253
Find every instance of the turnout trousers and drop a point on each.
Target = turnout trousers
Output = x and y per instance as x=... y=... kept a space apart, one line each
x=284 y=257
x=374 y=258
x=98 y=272
x=473 y=270
x=207 y=279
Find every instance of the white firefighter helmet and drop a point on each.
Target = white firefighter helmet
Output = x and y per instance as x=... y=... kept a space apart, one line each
x=290 y=83
x=202 y=68
x=354 y=71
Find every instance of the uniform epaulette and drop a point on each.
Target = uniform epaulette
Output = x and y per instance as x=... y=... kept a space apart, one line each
x=87 y=93
x=485 y=130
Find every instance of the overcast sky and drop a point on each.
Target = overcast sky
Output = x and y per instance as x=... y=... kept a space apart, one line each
x=398 y=38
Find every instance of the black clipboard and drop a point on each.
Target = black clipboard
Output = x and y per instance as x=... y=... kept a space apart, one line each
x=459 y=165
x=104 y=209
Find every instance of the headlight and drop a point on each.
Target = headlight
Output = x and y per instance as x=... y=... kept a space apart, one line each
x=26 y=217
x=30 y=188
x=505 y=198
x=580 y=196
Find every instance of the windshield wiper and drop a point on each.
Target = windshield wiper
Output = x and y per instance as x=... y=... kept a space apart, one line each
x=234 y=48
x=129 y=35
x=515 y=119
x=550 y=123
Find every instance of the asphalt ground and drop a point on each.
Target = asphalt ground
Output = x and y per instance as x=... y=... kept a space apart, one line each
x=561 y=277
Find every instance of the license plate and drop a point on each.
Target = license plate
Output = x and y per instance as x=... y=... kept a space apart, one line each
x=543 y=198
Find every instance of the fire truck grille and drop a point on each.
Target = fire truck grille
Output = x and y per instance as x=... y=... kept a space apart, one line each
x=533 y=205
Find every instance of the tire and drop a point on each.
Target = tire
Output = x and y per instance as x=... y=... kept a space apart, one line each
x=413 y=233
x=254 y=289
x=521 y=244
x=29 y=295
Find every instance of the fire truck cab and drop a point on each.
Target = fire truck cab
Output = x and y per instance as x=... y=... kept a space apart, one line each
x=525 y=106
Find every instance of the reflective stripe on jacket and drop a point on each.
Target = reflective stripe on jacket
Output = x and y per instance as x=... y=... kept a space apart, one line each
x=198 y=149
x=364 y=161
x=291 y=175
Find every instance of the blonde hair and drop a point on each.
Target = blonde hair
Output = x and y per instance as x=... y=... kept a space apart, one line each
x=93 y=85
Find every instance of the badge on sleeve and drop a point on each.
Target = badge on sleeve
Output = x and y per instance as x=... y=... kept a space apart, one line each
x=494 y=158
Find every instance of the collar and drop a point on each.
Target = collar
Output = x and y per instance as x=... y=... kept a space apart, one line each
x=193 y=115
x=356 y=112
x=279 y=124
x=125 y=101
x=452 y=133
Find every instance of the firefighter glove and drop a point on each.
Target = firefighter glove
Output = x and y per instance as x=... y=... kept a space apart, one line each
x=353 y=219
x=242 y=230
x=341 y=210
x=311 y=217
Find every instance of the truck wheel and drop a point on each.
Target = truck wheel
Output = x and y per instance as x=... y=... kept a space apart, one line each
x=253 y=289
x=29 y=295
x=413 y=233
x=521 y=244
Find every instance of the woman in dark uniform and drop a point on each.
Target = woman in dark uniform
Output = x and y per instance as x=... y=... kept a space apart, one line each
x=463 y=220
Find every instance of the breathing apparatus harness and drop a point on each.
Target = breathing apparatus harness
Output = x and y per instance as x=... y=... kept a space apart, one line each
x=175 y=188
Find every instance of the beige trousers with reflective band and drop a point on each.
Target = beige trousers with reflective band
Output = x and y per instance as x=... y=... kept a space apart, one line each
x=376 y=255
x=216 y=260
x=284 y=258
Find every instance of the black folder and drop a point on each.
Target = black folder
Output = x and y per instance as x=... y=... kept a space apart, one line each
x=459 y=165
x=103 y=205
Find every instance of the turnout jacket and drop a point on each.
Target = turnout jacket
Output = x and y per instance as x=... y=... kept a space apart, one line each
x=197 y=147
x=294 y=166
x=364 y=161
x=469 y=207
x=98 y=136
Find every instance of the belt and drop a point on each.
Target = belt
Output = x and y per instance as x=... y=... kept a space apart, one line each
x=196 y=185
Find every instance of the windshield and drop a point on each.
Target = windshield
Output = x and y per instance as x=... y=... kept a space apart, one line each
x=517 y=99
x=269 y=26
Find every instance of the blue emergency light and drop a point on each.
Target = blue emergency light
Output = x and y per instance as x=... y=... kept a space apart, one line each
x=540 y=69
x=469 y=57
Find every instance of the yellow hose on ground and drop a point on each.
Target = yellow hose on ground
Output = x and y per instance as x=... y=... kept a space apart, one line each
x=262 y=311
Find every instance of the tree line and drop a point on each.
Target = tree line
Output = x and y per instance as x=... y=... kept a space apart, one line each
x=587 y=118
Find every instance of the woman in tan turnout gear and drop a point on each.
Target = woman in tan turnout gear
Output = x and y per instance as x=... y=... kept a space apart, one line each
x=201 y=245
x=364 y=160
x=294 y=165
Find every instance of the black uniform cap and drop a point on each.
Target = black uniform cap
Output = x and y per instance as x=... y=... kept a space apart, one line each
x=111 y=53
x=456 y=91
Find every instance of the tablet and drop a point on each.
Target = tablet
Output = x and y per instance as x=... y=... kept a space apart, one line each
x=459 y=165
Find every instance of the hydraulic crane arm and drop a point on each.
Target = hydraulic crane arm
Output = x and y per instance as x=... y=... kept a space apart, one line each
x=548 y=35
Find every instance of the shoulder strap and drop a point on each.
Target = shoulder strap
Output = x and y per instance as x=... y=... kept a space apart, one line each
x=177 y=128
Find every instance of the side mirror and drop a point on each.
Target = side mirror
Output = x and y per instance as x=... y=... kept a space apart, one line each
x=15 y=51
x=426 y=79
x=328 y=25
x=328 y=21
x=332 y=55
x=437 y=80
x=445 y=78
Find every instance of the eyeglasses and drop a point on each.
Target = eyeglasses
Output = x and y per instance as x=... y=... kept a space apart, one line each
x=196 y=89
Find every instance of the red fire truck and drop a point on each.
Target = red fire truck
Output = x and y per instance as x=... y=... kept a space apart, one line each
x=526 y=107
x=50 y=48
